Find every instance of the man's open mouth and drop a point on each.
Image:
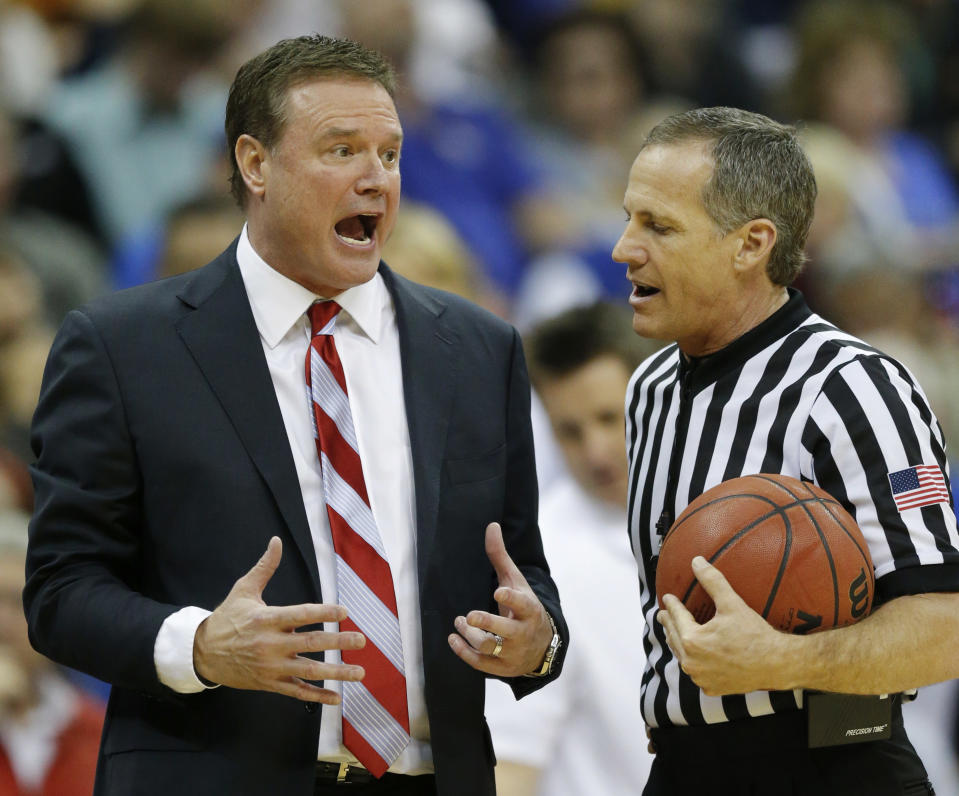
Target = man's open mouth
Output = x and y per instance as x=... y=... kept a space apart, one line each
x=357 y=230
x=644 y=290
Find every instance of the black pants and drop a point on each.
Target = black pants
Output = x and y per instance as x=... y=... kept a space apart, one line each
x=389 y=785
x=769 y=756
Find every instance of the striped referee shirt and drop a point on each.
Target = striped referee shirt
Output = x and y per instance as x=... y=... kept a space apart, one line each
x=797 y=396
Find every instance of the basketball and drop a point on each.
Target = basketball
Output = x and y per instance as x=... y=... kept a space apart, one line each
x=788 y=548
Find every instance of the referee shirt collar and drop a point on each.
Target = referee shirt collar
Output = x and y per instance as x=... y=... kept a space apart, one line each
x=702 y=371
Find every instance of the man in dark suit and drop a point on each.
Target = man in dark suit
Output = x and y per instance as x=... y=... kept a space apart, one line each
x=187 y=425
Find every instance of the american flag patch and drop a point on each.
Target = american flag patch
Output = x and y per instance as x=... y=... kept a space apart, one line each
x=918 y=486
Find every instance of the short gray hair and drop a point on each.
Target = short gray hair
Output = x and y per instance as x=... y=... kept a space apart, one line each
x=759 y=171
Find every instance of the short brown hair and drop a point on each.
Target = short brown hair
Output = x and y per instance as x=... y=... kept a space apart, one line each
x=564 y=343
x=258 y=96
x=759 y=171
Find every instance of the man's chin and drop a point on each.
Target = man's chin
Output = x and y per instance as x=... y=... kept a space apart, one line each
x=612 y=494
x=353 y=271
x=640 y=325
x=368 y=264
x=645 y=328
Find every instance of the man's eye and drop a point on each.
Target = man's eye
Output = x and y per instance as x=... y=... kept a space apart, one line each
x=391 y=156
x=659 y=229
x=341 y=151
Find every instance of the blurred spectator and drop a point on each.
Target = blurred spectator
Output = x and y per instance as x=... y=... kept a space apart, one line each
x=49 y=731
x=694 y=52
x=466 y=158
x=587 y=91
x=41 y=43
x=445 y=50
x=928 y=720
x=887 y=307
x=25 y=339
x=145 y=125
x=587 y=735
x=50 y=185
x=945 y=118
x=591 y=114
x=850 y=76
x=29 y=62
x=931 y=67
x=859 y=220
x=272 y=20
x=16 y=490
x=197 y=232
x=521 y=20
x=83 y=31
x=424 y=247
x=67 y=263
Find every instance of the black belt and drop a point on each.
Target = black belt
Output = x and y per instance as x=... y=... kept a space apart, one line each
x=786 y=730
x=343 y=773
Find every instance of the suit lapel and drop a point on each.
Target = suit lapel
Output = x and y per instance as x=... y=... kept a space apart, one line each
x=427 y=347
x=222 y=337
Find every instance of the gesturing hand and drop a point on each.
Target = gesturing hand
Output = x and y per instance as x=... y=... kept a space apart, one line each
x=522 y=624
x=248 y=644
x=736 y=651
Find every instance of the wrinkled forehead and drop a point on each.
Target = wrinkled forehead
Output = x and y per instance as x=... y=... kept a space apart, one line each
x=334 y=99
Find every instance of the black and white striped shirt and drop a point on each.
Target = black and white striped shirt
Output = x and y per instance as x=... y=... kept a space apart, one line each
x=795 y=396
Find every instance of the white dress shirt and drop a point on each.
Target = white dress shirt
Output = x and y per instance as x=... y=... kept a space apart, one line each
x=31 y=741
x=367 y=341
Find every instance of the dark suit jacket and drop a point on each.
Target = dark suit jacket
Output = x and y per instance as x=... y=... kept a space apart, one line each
x=163 y=469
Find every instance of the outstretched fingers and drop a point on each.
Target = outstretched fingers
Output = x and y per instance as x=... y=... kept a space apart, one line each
x=247 y=644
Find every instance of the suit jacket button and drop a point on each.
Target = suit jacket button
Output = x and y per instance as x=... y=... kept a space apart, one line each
x=311 y=707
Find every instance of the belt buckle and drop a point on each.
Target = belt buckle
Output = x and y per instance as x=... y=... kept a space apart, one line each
x=341 y=774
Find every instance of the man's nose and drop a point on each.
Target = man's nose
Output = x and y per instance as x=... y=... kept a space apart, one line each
x=375 y=177
x=629 y=249
x=596 y=448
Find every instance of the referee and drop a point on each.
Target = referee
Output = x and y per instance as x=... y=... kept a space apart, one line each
x=719 y=203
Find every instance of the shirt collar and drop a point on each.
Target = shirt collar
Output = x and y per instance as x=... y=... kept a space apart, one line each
x=278 y=302
x=702 y=371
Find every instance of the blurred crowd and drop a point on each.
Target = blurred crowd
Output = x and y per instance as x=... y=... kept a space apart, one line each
x=521 y=119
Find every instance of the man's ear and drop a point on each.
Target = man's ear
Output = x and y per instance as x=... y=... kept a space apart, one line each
x=252 y=161
x=757 y=238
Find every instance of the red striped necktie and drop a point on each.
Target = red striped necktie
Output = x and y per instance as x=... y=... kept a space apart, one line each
x=376 y=725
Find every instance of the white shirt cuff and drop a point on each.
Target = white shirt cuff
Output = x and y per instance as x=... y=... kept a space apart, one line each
x=173 y=650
